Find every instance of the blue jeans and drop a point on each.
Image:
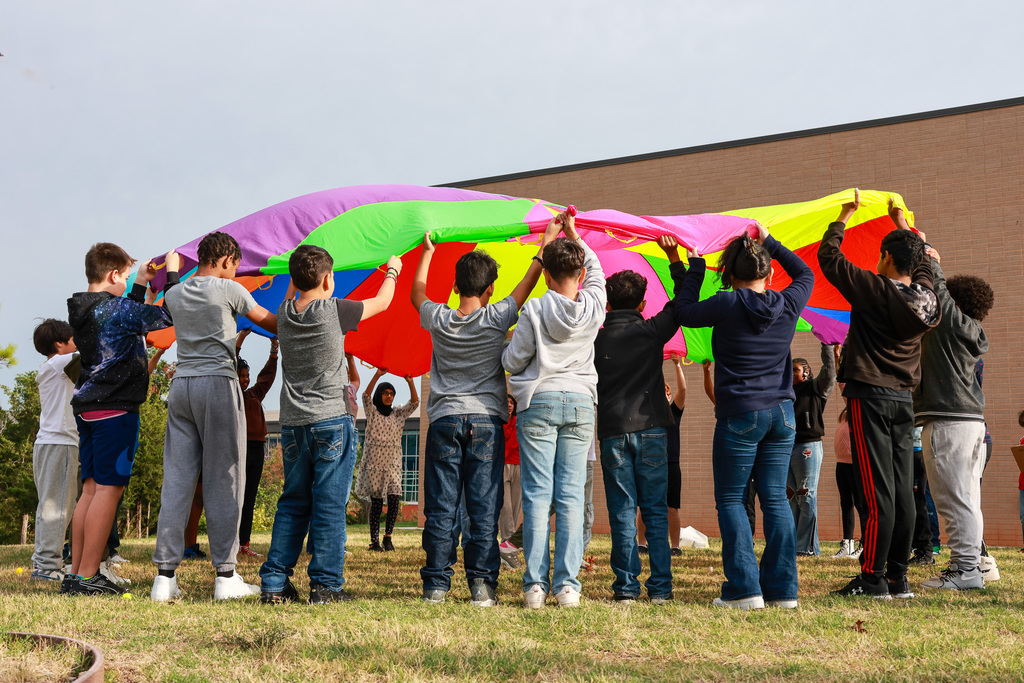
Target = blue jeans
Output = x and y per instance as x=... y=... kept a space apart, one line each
x=465 y=458
x=635 y=468
x=760 y=443
x=318 y=463
x=555 y=434
x=804 y=468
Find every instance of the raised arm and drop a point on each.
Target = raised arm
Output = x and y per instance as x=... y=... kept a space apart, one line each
x=353 y=372
x=521 y=348
x=797 y=292
x=690 y=310
x=709 y=383
x=593 y=281
x=826 y=379
x=386 y=293
x=677 y=364
x=373 y=381
x=857 y=285
x=522 y=291
x=413 y=396
x=419 y=282
x=268 y=374
x=154 y=360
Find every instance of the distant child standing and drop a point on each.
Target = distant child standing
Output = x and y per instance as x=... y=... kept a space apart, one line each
x=551 y=363
x=380 y=469
x=318 y=433
x=112 y=384
x=255 y=434
x=55 y=453
x=206 y=417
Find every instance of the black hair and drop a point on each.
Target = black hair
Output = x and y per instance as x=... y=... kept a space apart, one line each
x=626 y=290
x=104 y=257
x=48 y=333
x=802 y=362
x=242 y=364
x=1020 y=418
x=906 y=248
x=475 y=271
x=563 y=259
x=216 y=246
x=972 y=295
x=515 y=406
x=744 y=259
x=308 y=265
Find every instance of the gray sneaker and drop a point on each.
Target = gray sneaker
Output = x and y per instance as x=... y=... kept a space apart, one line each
x=957 y=579
x=511 y=560
x=482 y=595
x=433 y=596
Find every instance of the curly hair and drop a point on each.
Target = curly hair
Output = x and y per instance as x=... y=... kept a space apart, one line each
x=216 y=246
x=972 y=295
x=745 y=259
x=626 y=290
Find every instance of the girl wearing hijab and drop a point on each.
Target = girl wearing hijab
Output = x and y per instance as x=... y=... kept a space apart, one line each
x=380 y=469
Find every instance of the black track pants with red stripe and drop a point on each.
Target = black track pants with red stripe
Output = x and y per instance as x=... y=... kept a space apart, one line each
x=882 y=437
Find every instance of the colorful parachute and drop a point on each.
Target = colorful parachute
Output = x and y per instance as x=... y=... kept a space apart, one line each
x=362 y=226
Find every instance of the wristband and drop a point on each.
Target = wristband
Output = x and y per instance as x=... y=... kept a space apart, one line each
x=392 y=276
x=539 y=260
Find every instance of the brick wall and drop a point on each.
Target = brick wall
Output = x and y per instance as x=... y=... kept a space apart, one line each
x=962 y=175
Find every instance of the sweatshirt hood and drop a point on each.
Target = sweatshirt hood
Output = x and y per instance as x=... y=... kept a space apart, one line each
x=80 y=306
x=561 y=316
x=762 y=309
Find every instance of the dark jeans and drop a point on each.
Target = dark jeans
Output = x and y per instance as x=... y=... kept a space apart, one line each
x=922 y=542
x=465 y=455
x=255 y=455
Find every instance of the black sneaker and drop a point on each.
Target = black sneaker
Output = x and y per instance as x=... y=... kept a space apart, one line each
x=69 y=583
x=900 y=588
x=96 y=585
x=320 y=594
x=375 y=547
x=922 y=559
x=389 y=547
x=282 y=597
x=676 y=552
x=642 y=549
x=858 y=586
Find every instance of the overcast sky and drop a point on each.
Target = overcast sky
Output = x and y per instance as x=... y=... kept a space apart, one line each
x=148 y=124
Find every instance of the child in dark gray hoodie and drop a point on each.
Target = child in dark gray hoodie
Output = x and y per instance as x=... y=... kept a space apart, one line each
x=551 y=362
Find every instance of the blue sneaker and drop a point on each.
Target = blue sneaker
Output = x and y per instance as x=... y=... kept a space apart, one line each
x=194 y=553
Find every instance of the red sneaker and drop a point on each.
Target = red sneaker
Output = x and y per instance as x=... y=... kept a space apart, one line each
x=246 y=550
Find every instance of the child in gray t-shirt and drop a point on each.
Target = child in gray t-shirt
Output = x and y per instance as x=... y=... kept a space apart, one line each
x=467 y=406
x=206 y=418
x=318 y=436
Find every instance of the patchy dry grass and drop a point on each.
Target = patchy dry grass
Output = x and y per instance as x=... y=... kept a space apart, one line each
x=388 y=635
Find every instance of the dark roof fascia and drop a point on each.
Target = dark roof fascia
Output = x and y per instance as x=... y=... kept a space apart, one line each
x=777 y=137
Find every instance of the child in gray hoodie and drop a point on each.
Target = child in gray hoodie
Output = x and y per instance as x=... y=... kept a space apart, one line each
x=551 y=362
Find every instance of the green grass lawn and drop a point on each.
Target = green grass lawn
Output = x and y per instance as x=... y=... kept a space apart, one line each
x=388 y=635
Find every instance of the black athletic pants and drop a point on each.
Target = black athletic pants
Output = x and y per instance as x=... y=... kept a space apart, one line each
x=850 y=498
x=882 y=437
x=255 y=455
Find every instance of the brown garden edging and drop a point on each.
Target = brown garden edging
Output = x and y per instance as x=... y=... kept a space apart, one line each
x=95 y=671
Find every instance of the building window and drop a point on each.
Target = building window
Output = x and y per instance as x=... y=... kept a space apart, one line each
x=411 y=467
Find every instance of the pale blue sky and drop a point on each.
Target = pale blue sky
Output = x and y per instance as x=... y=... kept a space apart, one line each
x=148 y=124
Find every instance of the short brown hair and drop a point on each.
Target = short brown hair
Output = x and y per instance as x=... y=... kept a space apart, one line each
x=563 y=259
x=48 y=333
x=308 y=265
x=104 y=257
x=216 y=246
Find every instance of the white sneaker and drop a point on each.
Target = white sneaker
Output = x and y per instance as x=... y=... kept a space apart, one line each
x=108 y=572
x=233 y=587
x=534 y=597
x=845 y=549
x=568 y=597
x=784 y=604
x=988 y=568
x=117 y=559
x=754 y=602
x=165 y=589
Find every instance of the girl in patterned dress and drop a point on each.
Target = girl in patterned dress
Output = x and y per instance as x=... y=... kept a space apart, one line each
x=380 y=470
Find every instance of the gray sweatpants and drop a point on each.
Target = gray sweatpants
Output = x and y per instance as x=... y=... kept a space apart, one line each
x=205 y=432
x=55 y=470
x=954 y=457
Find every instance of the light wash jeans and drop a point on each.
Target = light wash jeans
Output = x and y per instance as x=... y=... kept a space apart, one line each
x=954 y=455
x=804 y=468
x=555 y=434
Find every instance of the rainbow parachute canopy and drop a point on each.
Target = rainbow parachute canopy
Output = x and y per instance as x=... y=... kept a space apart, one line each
x=363 y=226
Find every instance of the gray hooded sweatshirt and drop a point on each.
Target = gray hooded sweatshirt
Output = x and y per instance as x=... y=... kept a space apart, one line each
x=553 y=345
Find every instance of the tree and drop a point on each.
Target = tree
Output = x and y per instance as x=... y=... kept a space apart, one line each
x=18 y=427
x=7 y=357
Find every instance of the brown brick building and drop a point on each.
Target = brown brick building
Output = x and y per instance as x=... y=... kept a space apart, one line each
x=960 y=170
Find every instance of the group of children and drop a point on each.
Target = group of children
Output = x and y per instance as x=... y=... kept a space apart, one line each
x=582 y=359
